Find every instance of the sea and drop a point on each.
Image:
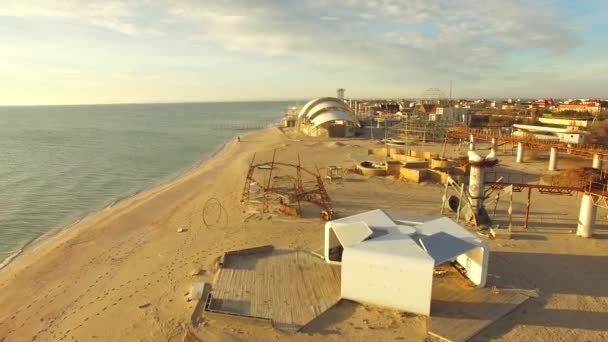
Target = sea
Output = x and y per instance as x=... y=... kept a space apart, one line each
x=59 y=163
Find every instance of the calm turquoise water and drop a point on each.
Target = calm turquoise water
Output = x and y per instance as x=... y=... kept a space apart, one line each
x=58 y=163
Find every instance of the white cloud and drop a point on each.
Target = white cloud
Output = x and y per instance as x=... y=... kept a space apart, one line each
x=113 y=15
x=402 y=34
x=374 y=45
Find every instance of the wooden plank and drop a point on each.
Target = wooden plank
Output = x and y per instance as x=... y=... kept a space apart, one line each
x=289 y=287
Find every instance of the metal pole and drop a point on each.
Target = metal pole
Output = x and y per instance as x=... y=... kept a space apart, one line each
x=496 y=204
x=528 y=208
x=511 y=210
x=460 y=202
x=445 y=197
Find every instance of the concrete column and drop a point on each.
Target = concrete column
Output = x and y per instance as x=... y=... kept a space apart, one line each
x=597 y=162
x=476 y=180
x=472 y=143
x=586 y=217
x=553 y=159
x=520 y=152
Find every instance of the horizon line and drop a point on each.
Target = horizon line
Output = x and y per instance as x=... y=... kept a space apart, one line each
x=278 y=100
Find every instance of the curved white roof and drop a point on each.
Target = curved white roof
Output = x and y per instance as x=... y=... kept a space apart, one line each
x=314 y=102
x=323 y=106
x=331 y=116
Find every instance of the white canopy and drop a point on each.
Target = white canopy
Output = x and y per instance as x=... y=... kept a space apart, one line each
x=331 y=116
x=323 y=106
x=304 y=112
x=314 y=102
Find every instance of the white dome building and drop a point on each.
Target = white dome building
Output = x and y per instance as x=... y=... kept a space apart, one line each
x=327 y=117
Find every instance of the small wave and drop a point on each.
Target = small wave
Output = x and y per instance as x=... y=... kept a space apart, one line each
x=45 y=237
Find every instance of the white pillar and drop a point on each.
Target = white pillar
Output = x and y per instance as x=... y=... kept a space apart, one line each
x=597 y=162
x=553 y=159
x=472 y=144
x=586 y=217
x=520 y=152
x=476 y=180
x=493 y=148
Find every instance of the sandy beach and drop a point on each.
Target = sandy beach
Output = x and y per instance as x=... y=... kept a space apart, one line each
x=122 y=274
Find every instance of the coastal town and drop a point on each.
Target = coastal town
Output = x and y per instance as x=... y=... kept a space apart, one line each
x=347 y=220
x=361 y=170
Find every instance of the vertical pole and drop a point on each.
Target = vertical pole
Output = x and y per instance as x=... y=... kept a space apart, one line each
x=553 y=159
x=493 y=148
x=528 y=208
x=520 y=153
x=472 y=143
x=385 y=129
x=586 y=216
x=496 y=204
x=460 y=202
x=299 y=184
x=511 y=209
x=445 y=196
x=597 y=162
x=476 y=190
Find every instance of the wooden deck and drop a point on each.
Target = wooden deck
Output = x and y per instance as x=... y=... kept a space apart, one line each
x=288 y=287
x=460 y=311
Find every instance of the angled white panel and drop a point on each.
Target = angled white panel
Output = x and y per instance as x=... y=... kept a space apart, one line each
x=475 y=262
x=351 y=233
x=375 y=219
x=443 y=247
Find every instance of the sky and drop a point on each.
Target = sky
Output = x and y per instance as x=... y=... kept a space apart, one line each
x=89 y=51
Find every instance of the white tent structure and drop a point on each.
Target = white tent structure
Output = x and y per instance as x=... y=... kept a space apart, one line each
x=393 y=265
x=327 y=116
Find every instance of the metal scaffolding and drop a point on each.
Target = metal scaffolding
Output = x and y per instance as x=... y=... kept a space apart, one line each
x=285 y=186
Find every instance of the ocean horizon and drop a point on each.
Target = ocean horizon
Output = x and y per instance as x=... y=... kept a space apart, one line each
x=59 y=163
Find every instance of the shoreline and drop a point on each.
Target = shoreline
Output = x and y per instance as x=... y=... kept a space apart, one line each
x=56 y=232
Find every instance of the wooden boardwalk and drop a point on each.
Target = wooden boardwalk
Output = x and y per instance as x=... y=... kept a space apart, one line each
x=460 y=311
x=288 y=287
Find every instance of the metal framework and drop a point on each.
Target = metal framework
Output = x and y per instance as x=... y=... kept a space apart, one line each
x=421 y=129
x=539 y=144
x=286 y=189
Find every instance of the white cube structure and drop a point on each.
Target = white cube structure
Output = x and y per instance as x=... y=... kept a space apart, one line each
x=390 y=271
x=392 y=267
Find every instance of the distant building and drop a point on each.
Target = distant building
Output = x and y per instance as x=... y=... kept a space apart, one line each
x=462 y=115
x=508 y=105
x=569 y=134
x=327 y=117
x=591 y=106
